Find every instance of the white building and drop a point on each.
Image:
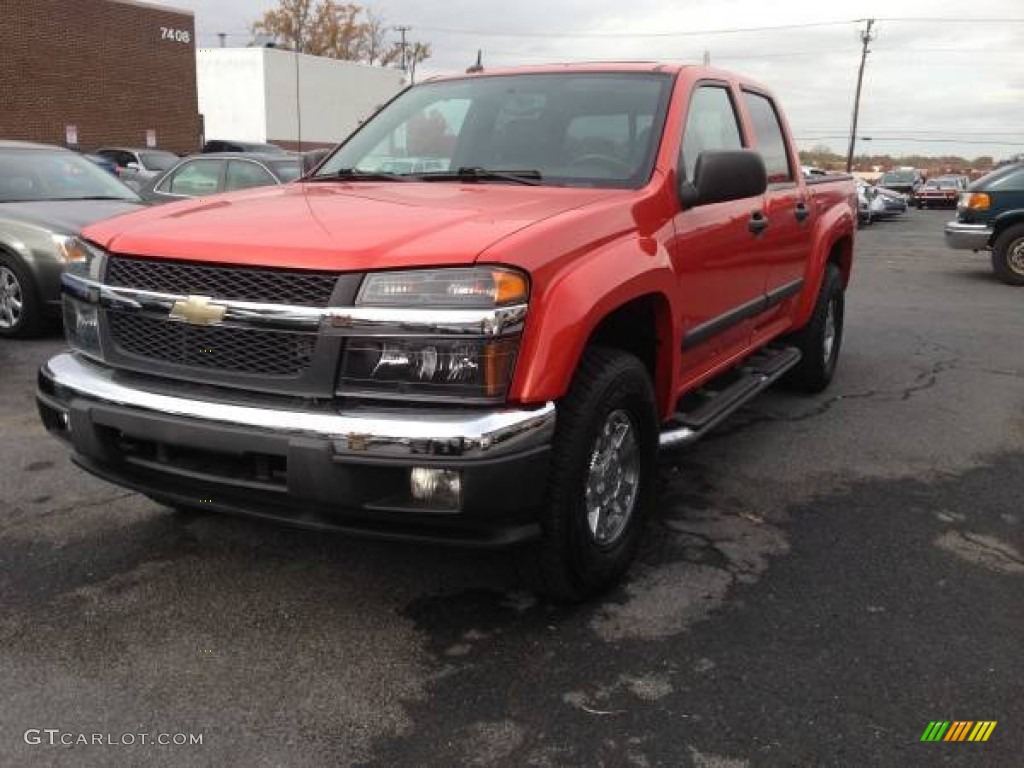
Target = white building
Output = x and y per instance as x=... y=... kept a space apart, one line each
x=269 y=94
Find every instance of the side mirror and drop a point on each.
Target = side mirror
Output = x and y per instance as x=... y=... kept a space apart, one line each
x=722 y=175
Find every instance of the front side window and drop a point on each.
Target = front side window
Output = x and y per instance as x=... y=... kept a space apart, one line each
x=711 y=125
x=771 y=142
x=574 y=129
x=194 y=179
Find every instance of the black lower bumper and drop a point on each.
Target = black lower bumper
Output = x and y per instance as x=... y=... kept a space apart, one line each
x=231 y=460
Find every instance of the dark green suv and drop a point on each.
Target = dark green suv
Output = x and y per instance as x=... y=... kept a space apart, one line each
x=990 y=216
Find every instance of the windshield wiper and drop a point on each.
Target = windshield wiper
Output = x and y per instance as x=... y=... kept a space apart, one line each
x=475 y=173
x=354 y=174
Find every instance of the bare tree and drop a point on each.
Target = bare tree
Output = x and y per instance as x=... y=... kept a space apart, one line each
x=337 y=30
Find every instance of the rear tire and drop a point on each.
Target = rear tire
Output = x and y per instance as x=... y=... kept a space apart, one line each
x=21 y=312
x=1008 y=255
x=602 y=483
x=820 y=340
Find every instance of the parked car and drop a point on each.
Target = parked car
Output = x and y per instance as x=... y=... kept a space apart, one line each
x=47 y=194
x=902 y=180
x=990 y=217
x=204 y=175
x=875 y=203
x=227 y=145
x=136 y=166
x=107 y=165
x=940 y=192
x=491 y=354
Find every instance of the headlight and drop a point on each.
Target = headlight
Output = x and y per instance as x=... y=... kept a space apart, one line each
x=466 y=288
x=79 y=257
x=435 y=365
x=447 y=368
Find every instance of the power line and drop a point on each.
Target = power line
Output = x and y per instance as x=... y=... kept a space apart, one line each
x=915 y=140
x=601 y=35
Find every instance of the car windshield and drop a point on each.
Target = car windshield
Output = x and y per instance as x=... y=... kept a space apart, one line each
x=158 y=161
x=573 y=129
x=287 y=170
x=41 y=174
x=942 y=182
x=898 y=177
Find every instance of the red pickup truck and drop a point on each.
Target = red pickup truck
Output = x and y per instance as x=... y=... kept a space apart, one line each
x=477 y=321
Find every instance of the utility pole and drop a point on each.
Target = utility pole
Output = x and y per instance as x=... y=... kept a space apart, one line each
x=402 y=30
x=865 y=38
x=707 y=58
x=223 y=37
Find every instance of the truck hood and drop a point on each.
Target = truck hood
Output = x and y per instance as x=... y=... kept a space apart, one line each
x=65 y=217
x=341 y=226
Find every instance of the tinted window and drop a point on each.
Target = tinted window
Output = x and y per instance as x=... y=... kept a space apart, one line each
x=710 y=125
x=577 y=129
x=770 y=141
x=243 y=175
x=1008 y=180
x=158 y=161
x=287 y=171
x=194 y=179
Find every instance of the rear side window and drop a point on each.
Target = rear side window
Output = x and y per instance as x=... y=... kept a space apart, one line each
x=711 y=124
x=244 y=175
x=770 y=141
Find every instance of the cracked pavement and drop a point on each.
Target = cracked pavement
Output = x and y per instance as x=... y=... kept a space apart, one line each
x=826 y=575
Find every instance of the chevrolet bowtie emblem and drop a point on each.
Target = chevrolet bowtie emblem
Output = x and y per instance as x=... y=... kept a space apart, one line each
x=197 y=310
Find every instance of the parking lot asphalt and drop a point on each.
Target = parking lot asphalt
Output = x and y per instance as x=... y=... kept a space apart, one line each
x=826 y=576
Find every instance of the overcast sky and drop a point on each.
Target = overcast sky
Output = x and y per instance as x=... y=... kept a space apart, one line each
x=931 y=87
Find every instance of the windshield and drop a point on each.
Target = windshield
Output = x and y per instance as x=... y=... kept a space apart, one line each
x=39 y=174
x=898 y=177
x=158 y=161
x=288 y=170
x=575 y=129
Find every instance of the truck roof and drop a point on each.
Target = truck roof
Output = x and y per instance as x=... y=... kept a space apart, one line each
x=699 y=71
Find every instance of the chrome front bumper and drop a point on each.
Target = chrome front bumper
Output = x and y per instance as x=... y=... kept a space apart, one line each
x=969 y=237
x=297 y=462
x=359 y=432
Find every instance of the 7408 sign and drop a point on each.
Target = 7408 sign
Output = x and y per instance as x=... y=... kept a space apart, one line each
x=175 y=35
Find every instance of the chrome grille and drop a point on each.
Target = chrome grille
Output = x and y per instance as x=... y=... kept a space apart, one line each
x=224 y=348
x=272 y=286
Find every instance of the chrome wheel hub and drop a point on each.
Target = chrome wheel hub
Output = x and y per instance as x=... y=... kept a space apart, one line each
x=1015 y=256
x=11 y=298
x=829 y=337
x=612 y=479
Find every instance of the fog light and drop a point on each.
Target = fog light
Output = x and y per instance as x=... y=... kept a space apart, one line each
x=436 y=487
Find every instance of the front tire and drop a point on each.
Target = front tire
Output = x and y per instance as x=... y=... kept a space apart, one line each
x=820 y=340
x=602 y=483
x=1008 y=255
x=20 y=307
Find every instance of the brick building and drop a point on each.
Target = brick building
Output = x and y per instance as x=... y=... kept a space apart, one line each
x=95 y=72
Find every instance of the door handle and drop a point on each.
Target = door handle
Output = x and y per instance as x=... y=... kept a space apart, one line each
x=758 y=223
x=801 y=211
